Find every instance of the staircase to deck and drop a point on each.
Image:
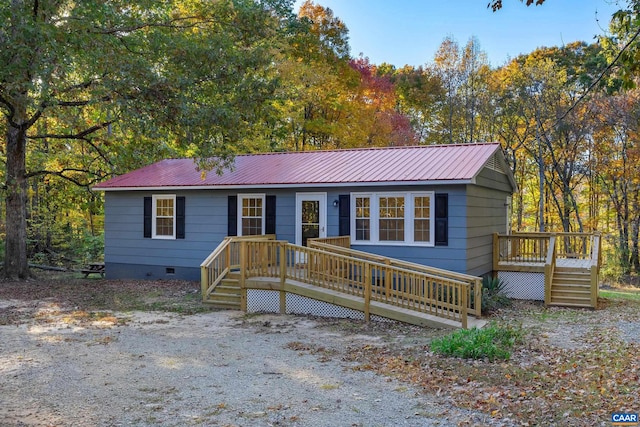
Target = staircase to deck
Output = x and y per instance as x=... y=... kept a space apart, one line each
x=228 y=294
x=569 y=262
x=340 y=277
x=571 y=287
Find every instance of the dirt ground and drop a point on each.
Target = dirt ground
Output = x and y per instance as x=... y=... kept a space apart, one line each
x=92 y=352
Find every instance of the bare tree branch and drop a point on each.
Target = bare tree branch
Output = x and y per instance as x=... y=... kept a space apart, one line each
x=62 y=174
x=81 y=135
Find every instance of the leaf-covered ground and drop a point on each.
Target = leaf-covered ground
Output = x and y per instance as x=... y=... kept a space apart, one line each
x=574 y=368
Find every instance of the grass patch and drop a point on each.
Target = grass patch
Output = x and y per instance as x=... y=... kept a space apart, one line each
x=628 y=295
x=491 y=342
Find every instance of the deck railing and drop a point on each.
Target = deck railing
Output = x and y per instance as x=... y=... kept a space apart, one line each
x=474 y=298
x=542 y=252
x=341 y=241
x=222 y=260
x=533 y=248
x=419 y=291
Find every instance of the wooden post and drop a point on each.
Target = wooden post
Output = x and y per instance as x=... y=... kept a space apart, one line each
x=243 y=276
x=283 y=277
x=496 y=251
x=595 y=269
x=464 y=303
x=549 y=267
x=367 y=291
x=388 y=278
x=204 y=281
x=478 y=297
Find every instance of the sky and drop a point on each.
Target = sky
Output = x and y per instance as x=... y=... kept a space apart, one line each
x=403 y=32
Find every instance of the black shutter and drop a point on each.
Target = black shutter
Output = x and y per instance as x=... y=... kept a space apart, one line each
x=232 y=216
x=270 y=215
x=180 y=214
x=442 y=219
x=148 y=207
x=344 y=215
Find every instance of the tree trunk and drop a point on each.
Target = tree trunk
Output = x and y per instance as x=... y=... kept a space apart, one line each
x=15 y=262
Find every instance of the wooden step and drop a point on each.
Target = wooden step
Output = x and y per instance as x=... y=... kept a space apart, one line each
x=571 y=276
x=571 y=287
x=228 y=286
x=225 y=305
x=572 y=304
x=223 y=297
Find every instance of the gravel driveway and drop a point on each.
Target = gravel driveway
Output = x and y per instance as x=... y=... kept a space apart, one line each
x=211 y=369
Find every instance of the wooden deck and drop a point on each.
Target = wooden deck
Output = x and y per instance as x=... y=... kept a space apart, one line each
x=570 y=263
x=389 y=288
x=566 y=263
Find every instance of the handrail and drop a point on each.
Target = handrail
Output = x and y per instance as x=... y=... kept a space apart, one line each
x=221 y=261
x=595 y=268
x=341 y=241
x=549 y=268
x=373 y=281
x=474 y=298
x=214 y=268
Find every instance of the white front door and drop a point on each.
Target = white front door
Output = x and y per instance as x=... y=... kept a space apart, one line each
x=311 y=216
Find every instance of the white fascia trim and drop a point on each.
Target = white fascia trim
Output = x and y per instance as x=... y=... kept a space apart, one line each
x=313 y=185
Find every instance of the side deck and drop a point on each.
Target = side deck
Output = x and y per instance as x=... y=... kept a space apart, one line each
x=568 y=263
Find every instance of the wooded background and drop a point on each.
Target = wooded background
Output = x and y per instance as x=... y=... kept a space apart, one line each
x=93 y=89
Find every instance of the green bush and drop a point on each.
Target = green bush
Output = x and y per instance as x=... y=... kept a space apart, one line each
x=493 y=294
x=492 y=342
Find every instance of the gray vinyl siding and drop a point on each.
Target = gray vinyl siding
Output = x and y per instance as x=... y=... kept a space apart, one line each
x=487 y=214
x=129 y=255
x=475 y=212
x=495 y=180
x=450 y=257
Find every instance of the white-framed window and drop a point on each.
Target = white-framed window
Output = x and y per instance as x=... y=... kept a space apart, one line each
x=362 y=218
x=422 y=208
x=163 y=224
x=393 y=218
x=251 y=212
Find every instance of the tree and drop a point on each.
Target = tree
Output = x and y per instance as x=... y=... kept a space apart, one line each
x=419 y=92
x=617 y=169
x=173 y=72
x=497 y=4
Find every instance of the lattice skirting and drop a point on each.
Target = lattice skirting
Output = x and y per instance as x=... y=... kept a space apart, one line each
x=520 y=285
x=269 y=301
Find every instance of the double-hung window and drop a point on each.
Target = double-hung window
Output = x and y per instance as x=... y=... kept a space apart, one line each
x=252 y=214
x=164 y=216
x=391 y=218
x=363 y=218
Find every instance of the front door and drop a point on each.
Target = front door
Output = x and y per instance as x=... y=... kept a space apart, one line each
x=311 y=216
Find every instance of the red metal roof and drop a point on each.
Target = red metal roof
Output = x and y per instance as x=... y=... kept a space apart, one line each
x=460 y=162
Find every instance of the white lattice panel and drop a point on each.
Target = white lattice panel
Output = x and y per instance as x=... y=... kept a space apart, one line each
x=263 y=301
x=523 y=285
x=297 y=304
x=259 y=301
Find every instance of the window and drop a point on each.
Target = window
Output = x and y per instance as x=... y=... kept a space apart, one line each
x=251 y=214
x=392 y=218
x=422 y=219
x=164 y=224
x=363 y=218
